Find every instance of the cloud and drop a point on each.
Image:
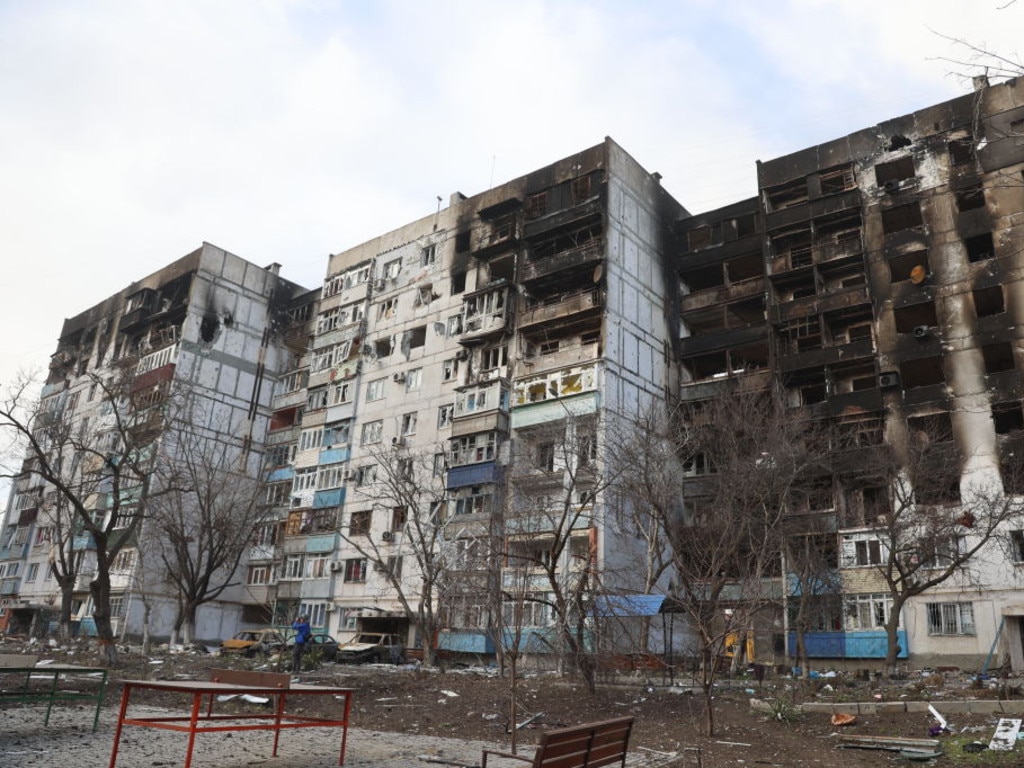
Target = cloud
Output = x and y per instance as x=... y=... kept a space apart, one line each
x=286 y=130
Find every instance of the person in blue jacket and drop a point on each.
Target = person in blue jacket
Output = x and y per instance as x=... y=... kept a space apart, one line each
x=302 y=635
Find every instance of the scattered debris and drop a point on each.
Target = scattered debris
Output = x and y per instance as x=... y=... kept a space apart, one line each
x=841 y=718
x=451 y=694
x=529 y=720
x=892 y=743
x=734 y=744
x=975 y=747
x=1005 y=737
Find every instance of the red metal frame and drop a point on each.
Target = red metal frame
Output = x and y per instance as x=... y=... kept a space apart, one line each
x=196 y=721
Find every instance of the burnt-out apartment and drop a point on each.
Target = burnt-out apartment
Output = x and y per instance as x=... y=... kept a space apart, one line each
x=876 y=281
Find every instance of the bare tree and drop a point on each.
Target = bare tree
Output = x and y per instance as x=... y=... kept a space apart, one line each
x=551 y=524
x=930 y=532
x=211 y=500
x=409 y=494
x=735 y=459
x=648 y=490
x=95 y=475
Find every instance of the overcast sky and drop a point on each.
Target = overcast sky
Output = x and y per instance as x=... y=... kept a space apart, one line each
x=132 y=131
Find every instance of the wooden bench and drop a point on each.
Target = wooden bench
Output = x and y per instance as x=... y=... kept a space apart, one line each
x=589 y=745
x=19 y=664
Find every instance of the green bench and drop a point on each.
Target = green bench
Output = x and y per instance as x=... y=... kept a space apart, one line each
x=22 y=679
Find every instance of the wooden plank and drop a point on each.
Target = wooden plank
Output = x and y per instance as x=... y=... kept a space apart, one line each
x=1005 y=737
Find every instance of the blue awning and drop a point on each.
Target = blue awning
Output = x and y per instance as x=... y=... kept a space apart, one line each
x=628 y=605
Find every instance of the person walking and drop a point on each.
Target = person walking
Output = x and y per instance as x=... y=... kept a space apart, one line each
x=302 y=635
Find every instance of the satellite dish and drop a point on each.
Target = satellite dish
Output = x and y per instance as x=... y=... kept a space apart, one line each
x=598 y=273
x=918 y=274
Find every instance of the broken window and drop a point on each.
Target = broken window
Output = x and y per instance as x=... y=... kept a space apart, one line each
x=889 y=175
x=961 y=151
x=1007 y=417
x=998 y=357
x=938 y=492
x=802 y=335
x=918 y=319
x=503 y=228
x=795 y=246
x=855 y=377
x=931 y=428
x=901 y=217
x=580 y=189
x=859 y=550
x=462 y=241
x=787 y=195
x=922 y=373
x=417 y=337
x=536 y=206
x=837 y=180
x=704 y=237
x=909 y=266
x=988 y=301
x=980 y=247
x=703 y=278
x=711 y=366
x=458 y=282
x=1011 y=470
x=744 y=268
x=428 y=255
x=970 y=198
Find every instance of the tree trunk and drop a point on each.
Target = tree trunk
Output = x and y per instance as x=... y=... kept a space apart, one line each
x=513 y=699
x=893 y=649
x=147 y=609
x=66 y=599
x=801 y=654
x=99 y=588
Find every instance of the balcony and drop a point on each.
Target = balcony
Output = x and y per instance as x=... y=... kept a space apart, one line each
x=588 y=254
x=560 y=307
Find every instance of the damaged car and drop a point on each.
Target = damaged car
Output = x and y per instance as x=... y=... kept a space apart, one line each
x=371 y=647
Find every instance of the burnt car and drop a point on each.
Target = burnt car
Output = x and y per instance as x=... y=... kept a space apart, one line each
x=371 y=647
x=253 y=642
x=323 y=647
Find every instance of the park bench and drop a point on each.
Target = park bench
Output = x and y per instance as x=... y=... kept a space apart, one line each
x=20 y=669
x=590 y=745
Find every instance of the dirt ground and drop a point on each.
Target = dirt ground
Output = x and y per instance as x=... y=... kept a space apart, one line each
x=472 y=703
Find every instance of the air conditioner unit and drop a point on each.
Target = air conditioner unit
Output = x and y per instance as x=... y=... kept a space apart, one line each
x=335 y=567
x=387 y=536
x=379 y=284
x=397 y=442
x=922 y=331
x=889 y=380
x=399 y=377
x=462 y=354
x=891 y=186
x=296 y=501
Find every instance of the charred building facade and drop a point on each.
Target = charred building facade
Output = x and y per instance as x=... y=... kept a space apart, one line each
x=482 y=354
x=876 y=280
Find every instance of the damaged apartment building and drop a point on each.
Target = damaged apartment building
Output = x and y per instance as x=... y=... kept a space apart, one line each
x=205 y=332
x=484 y=350
x=467 y=353
x=877 y=279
